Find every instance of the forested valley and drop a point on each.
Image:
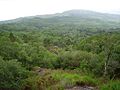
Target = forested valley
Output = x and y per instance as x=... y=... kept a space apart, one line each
x=74 y=49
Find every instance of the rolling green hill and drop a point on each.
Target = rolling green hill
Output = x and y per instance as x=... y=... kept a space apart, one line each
x=75 y=19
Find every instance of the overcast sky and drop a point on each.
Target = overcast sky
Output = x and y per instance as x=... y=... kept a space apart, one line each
x=10 y=9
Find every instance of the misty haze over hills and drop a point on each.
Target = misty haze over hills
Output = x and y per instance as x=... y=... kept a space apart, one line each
x=71 y=18
x=116 y=11
x=80 y=13
x=77 y=11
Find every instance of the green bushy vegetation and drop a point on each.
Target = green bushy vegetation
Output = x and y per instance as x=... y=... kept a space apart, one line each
x=91 y=55
x=12 y=74
x=60 y=52
x=112 y=85
x=68 y=80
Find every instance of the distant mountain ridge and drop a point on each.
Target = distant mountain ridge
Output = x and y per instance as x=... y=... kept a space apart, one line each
x=117 y=11
x=75 y=18
x=79 y=13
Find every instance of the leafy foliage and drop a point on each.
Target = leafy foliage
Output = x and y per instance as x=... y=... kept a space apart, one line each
x=11 y=74
x=75 y=40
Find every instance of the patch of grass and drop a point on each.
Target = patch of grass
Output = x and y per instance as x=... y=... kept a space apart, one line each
x=38 y=83
x=61 y=79
x=55 y=87
x=31 y=83
x=112 y=85
x=68 y=80
x=87 y=80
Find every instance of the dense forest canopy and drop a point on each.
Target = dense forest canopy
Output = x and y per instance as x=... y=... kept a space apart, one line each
x=72 y=48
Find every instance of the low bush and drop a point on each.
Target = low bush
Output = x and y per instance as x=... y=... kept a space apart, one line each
x=11 y=74
x=112 y=85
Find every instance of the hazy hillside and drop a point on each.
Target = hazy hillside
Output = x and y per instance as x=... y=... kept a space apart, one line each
x=72 y=18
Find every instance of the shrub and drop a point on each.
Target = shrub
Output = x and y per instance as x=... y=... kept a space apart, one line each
x=68 y=80
x=11 y=74
x=38 y=83
x=112 y=85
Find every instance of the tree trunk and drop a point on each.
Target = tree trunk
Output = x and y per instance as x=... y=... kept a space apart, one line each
x=106 y=64
x=105 y=69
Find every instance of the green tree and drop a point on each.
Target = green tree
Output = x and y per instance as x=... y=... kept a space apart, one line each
x=12 y=37
x=11 y=74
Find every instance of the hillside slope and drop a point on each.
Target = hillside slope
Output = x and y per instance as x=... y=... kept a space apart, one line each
x=69 y=19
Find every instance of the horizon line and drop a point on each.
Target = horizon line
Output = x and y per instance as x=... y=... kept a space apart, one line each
x=102 y=12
